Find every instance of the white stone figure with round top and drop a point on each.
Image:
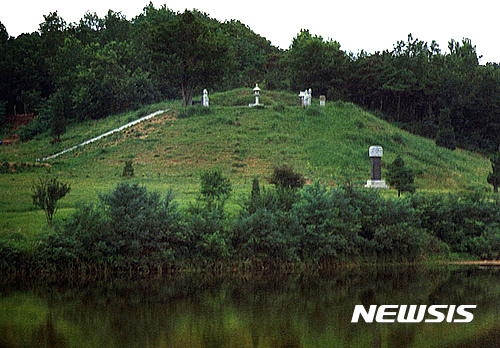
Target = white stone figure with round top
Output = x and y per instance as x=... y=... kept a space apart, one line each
x=204 y=99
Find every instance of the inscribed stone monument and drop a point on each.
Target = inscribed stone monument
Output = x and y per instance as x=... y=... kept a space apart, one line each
x=375 y=153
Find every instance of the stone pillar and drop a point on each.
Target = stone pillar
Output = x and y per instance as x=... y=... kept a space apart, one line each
x=322 y=100
x=310 y=95
x=375 y=153
x=204 y=100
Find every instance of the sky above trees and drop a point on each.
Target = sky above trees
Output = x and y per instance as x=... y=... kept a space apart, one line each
x=363 y=24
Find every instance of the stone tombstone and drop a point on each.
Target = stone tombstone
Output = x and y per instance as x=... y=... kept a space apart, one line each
x=205 y=100
x=322 y=100
x=376 y=153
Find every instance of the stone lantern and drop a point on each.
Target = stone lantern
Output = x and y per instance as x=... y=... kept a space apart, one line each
x=375 y=153
x=256 y=92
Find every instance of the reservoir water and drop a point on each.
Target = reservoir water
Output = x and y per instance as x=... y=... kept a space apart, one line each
x=254 y=311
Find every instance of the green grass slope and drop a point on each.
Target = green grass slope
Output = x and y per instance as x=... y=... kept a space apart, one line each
x=328 y=144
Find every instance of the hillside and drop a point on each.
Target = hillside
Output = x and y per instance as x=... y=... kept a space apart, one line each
x=328 y=144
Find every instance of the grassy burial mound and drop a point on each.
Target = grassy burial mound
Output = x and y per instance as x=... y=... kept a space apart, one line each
x=328 y=144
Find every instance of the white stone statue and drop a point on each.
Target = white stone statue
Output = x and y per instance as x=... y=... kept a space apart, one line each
x=205 y=100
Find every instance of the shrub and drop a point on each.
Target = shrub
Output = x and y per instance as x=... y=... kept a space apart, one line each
x=128 y=170
x=284 y=177
x=12 y=255
x=264 y=235
x=457 y=221
x=46 y=192
x=39 y=125
x=129 y=226
x=487 y=245
x=324 y=234
x=400 y=241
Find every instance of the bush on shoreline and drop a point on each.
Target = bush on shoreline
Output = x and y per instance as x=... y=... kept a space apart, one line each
x=133 y=229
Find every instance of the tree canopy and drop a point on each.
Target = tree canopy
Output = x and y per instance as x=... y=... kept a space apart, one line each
x=188 y=51
x=99 y=66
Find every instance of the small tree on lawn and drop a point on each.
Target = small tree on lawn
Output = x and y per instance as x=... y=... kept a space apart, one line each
x=494 y=175
x=215 y=189
x=128 y=170
x=401 y=177
x=46 y=191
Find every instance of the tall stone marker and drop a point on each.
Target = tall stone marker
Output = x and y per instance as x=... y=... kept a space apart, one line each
x=375 y=153
x=205 y=100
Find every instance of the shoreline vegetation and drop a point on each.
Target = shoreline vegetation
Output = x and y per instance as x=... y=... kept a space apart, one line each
x=286 y=229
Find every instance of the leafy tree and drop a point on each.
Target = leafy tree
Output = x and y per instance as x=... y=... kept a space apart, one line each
x=494 y=175
x=401 y=177
x=190 y=51
x=115 y=27
x=316 y=64
x=250 y=52
x=46 y=191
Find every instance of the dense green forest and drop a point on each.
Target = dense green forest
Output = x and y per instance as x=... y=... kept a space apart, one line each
x=67 y=72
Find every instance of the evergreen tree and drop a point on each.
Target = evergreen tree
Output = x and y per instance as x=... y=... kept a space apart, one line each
x=445 y=136
x=57 y=117
x=401 y=177
x=494 y=175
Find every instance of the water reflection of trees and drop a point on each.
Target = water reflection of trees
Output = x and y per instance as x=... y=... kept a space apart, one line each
x=272 y=311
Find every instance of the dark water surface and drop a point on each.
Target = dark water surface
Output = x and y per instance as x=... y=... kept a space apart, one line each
x=272 y=311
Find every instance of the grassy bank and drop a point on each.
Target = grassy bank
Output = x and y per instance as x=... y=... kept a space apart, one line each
x=284 y=229
x=328 y=144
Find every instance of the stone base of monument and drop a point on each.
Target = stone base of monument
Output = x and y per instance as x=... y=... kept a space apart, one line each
x=376 y=184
